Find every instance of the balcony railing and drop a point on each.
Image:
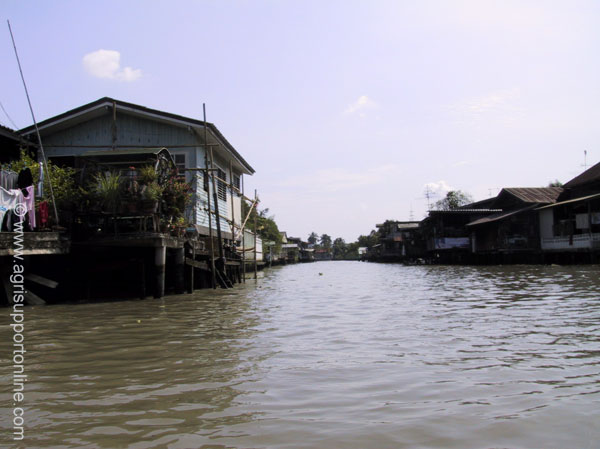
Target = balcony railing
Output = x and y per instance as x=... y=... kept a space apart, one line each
x=578 y=241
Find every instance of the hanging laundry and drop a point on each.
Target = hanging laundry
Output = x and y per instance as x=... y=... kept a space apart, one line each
x=43 y=212
x=8 y=201
x=28 y=199
x=25 y=178
x=8 y=179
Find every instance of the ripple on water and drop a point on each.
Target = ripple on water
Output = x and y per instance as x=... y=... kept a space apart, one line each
x=364 y=355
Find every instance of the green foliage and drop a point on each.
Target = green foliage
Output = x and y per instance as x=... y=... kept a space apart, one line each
x=325 y=241
x=107 y=188
x=454 y=199
x=147 y=175
x=368 y=241
x=266 y=226
x=152 y=192
x=555 y=183
x=339 y=248
x=176 y=197
x=313 y=238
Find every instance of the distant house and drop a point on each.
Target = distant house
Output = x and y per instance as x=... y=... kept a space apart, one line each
x=290 y=250
x=323 y=254
x=113 y=125
x=572 y=223
x=445 y=232
x=515 y=228
x=305 y=254
x=400 y=240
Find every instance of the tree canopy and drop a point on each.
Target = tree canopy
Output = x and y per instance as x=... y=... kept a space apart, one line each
x=453 y=200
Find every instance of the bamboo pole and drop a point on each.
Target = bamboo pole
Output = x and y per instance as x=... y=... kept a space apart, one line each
x=217 y=219
x=243 y=240
x=232 y=202
x=210 y=233
x=255 y=247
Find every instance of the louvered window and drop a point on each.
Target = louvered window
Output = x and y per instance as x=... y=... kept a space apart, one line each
x=221 y=187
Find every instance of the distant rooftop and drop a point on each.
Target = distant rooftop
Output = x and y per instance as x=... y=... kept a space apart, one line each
x=534 y=194
x=590 y=175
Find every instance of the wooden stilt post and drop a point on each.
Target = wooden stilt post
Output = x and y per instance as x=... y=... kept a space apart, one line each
x=143 y=278
x=179 y=273
x=160 y=260
x=191 y=253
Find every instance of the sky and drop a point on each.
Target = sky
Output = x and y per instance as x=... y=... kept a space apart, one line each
x=349 y=111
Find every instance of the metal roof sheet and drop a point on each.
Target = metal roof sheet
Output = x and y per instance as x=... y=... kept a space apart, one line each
x=500 y=215
x=590 y=175
x=574 y=200
x=464 y=211
x=534 y=194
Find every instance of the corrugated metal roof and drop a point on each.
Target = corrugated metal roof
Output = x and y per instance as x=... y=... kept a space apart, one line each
x=590 y=175
x=8 y=132
x=534 y=194
x=464 y=211
x=500 y=216
x=574 y=200
x=412 y=225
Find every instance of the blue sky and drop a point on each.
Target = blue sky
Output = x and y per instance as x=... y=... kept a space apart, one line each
x=346 y=109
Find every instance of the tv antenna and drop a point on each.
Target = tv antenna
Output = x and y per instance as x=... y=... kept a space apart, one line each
x=429 y=194
x=584 y=160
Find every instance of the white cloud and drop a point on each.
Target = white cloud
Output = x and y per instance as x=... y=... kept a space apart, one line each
x=461 y=163
x=439 y=188
x=107 y=64
x=338 y=179
x=363 y=103
x=500 y=106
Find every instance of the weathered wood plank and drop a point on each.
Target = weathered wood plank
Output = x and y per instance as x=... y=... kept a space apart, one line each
x=34 y=300
x=196 y=264
x=41 y=280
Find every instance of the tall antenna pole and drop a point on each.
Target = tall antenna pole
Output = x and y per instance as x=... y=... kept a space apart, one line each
x=428 y=194
x=35 y=124
x=585 y=159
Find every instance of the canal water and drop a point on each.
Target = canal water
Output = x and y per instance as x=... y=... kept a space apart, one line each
x=322 y=355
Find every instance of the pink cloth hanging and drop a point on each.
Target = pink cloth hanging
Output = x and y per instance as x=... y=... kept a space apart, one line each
x=29 y=201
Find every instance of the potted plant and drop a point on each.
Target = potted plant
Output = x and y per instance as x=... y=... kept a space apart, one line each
x=107 y=188
x=147 y=175
x=180 y=226
x=151 y=195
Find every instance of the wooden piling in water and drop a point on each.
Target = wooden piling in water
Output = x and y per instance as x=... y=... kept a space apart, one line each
x=190 y=253
x=179 y=270
x=160 y=260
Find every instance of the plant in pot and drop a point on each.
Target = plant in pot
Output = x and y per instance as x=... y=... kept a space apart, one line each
x=107 y=188
x=151 y=194
x=180 y=225
x=131 y=193
x=147 y=175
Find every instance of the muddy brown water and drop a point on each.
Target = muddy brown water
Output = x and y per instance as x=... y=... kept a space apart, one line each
x=322 y=355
